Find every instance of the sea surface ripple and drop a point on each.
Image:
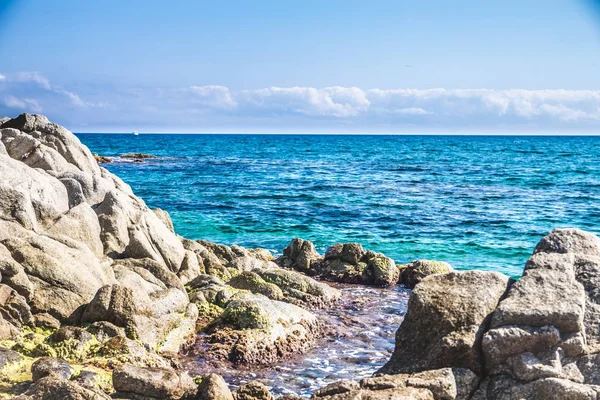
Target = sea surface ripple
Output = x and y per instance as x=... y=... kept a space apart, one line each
x=478 y=202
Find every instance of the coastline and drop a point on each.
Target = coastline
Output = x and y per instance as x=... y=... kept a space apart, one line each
x=100 y=295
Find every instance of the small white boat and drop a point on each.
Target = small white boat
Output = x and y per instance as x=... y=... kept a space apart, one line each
x=135 y=133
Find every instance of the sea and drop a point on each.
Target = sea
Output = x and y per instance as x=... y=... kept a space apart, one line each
x=477 y=202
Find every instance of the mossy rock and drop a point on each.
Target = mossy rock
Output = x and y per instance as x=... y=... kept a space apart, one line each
x=31 y=342
x=417 y=270
x=95 y=378
x=219 y=271
x=253 y=282
x=341 y=271
x=384 y=270
x=246 y=314
x=14 y=367
x=73 y=343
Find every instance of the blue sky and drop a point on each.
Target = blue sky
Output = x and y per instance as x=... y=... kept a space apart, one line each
x=304 y=66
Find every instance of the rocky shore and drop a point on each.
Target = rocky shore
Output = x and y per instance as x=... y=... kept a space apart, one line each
x=99 y=298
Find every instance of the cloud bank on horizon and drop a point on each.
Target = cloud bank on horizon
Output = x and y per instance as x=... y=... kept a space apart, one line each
x=214 y=108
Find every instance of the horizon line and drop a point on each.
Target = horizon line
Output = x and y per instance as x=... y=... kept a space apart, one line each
x=561 y=134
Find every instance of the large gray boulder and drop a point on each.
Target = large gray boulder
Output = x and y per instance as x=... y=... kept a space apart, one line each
x=550 y=316
x=447 y=317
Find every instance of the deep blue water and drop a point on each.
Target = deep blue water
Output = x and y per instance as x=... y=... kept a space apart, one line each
x=476 y=202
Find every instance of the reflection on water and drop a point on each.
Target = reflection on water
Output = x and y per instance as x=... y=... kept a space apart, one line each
x=359 y=338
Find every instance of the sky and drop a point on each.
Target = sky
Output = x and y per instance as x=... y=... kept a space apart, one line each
x=428 y=66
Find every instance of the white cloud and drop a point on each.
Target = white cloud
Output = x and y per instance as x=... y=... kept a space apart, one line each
x=20 y=79
x=21 y=104
x=32 y=77
x=330 y=108
x=333 y=101
x=566 y=105
x=213 y=95
x=412 y=111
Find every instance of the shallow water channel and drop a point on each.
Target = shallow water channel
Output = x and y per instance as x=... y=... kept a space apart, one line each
x=359 y=338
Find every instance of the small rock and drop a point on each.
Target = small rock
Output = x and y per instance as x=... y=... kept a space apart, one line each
x=104 y=330
x=55 y=388
x=72 y=342
x=46 y=321
x=102 y=159
x=352 y=253
x=137 y=156
x=337 y=388
x=213 y=387
x=8 y=358
x=384 y=269
x=419 y=269
x=49 y=366
x=161 y=383
x=253 y=391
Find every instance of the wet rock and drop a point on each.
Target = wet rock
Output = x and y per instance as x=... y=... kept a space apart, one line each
x=10 y=363
x=102 y=159
x=253 y=391
x=334 y=251
x=157 y=383
x=48 y=366
x=348 y=263
x=139 y=156
x=94 y=380
x=301 y=255
x=419 y=269
x=213 y=387
x=337 y=388
x=447 y=317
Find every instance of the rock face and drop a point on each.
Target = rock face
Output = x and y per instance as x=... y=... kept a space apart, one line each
x=64 y=222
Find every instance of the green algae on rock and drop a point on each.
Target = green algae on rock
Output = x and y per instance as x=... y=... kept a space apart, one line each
x=416 y=270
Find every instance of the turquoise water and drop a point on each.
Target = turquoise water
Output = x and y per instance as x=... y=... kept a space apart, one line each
x=476 y=202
